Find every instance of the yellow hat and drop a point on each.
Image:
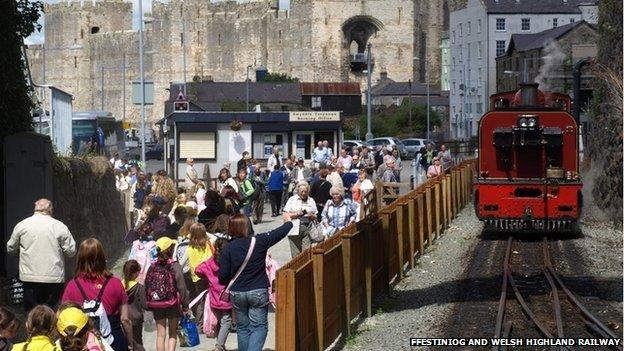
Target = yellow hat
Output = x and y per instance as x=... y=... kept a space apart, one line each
x=71 y=317
x=164 y=243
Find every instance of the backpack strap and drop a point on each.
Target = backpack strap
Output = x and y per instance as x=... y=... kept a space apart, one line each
x=82 y=292
x=84 y=295
x=99 y=297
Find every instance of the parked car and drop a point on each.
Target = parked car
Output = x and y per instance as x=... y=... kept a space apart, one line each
x=389 y=141
x=350 y=144
x=155 y=152
x=413 y=145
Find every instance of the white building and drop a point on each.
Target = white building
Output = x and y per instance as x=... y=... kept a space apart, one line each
x=480 y=32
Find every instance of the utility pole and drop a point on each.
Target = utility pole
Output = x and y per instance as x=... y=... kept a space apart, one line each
x=427 y=82
x=142 y=72
x=369 y=132
x=409 y=104
x=43 y=81
x=247 y=90
x=102 y=88
x=123 y=87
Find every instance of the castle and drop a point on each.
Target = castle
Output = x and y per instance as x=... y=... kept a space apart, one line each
x=92 y=51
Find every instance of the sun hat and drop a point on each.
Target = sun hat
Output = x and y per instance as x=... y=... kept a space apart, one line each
x=164 y=243
x=71 y=317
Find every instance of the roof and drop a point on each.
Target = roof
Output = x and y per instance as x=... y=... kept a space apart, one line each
x=216 y=92
x=536 y=6
x=434 y=100
x=526 y=42
x=330 y=89
x=403 y=89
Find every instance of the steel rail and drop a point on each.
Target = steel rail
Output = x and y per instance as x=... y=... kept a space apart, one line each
x=555 y=291
x=526 y=309
x=503 y=298
x=578 y=304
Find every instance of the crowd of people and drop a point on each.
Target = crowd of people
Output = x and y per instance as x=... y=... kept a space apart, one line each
x=193 y=251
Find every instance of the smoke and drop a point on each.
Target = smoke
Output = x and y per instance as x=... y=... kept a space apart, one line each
x=551 y=61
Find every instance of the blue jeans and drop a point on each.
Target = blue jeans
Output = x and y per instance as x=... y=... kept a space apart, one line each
x=247 y=209
x=252 y=326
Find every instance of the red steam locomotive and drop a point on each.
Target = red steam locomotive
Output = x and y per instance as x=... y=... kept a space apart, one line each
x=528 y=170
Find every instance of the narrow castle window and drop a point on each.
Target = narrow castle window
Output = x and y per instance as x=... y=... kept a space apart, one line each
x=399 y=17
x=219 y=39
x=82 y=34
x=75 y=62
x=95 y=30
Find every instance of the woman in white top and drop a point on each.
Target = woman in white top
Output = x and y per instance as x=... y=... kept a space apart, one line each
x=302 y=209
x=225 y=178
x=361 y=187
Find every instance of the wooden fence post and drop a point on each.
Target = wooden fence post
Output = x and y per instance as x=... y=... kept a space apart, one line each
x=385 y=231
x=421 y=224
x=399 y=238
x=346 y=267
x=428 y=211
x=411 y=217
x=455 y=192
x=379 y=194
x=317 y=270
x=436 y=196
x=368 y=266
x=285 y=311
x=449 y=210
x=444 y=213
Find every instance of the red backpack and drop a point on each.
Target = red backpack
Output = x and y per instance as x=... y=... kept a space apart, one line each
x=160 y=286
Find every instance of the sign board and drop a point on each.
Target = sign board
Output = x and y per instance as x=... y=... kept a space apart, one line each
x=149 y=92
x=314 y=116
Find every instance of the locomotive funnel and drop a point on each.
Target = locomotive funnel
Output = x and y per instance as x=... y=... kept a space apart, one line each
x=528 y=92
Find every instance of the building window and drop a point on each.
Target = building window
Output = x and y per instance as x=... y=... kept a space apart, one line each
x=316 y=102
x=500 y=24
x=453 y=62
x=500 y=47
x=478 y=26
x=453 y=38
x=75 y=62
x=479 y=107
x=555 y=22
x=526 y=24
x=571 y=20
x=468 y=51
x=198 y=145
x=396 y=101
x=480 y=77
x=468 y=29
x=479 y=50
x=461 y=30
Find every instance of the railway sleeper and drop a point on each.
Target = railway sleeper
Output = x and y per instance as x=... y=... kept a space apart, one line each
x=530 y=225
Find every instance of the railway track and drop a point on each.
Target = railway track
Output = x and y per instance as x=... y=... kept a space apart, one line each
x=543 y=323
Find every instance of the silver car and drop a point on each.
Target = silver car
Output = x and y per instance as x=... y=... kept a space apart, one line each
x=389 y=141
x=413 y=146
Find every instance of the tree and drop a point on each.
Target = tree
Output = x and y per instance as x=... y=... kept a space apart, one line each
x=19 y=21
x=394 y=121
x=279 y=77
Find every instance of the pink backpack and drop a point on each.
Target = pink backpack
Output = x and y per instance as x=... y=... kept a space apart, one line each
x=142 y=252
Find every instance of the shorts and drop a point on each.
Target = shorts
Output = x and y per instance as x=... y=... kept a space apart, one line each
x=166 y=313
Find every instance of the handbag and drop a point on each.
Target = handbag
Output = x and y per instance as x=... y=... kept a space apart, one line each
x=187 y=332
x=225 y=294
x=316 y=232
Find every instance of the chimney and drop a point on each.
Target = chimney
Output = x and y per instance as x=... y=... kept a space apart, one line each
x=528 y=92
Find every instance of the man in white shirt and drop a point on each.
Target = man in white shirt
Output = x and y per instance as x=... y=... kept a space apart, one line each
x=274 y=159
x=320 y=154
x=330 y=152
x=302 y=209
x=345 y=159
x=190 y=178
x=42 y=242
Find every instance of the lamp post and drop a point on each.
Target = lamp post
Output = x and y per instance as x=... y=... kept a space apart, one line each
x=142 y=73
x=409 y=105
x=247 y=89
x=427 y=84
x=369 y=132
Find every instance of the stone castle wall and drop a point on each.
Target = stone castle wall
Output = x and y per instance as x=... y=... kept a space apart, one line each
x=222 y=39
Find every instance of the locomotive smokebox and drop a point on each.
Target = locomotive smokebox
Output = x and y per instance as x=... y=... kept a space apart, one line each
x=528 y=92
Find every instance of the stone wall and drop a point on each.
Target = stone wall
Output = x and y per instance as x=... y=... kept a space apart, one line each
x=222 y=39
x=86 y=200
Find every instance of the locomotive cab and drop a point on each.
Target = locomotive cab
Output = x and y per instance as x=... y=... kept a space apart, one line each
x=527 y=175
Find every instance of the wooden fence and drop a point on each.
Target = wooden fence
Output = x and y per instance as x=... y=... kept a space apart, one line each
x=326 y=287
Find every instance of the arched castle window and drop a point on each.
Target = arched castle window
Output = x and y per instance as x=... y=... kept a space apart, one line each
x=357 y=32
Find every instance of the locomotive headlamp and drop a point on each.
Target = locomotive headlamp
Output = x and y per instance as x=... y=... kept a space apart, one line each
x=523 y=122
x=532 y=122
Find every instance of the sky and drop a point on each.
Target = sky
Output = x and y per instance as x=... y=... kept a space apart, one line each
x=37 y=37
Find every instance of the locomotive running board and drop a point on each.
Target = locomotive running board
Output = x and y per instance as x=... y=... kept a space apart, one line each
x=521 y=225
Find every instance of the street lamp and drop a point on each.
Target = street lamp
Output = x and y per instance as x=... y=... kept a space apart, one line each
x=369 y=132
x=247 y=89
x=427 y=84
x=142 y=72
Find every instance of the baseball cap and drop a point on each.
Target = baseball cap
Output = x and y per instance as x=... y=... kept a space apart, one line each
x=164 y=243
x=71 y=317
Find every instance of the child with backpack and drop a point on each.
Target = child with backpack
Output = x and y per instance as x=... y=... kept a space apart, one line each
x=9 y=326
x=75 y=330
x=167 y=295
x=247 y=190
x=136 y=301
x=143 y=250
x=209 y=271
x=40 y=329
